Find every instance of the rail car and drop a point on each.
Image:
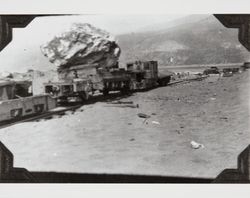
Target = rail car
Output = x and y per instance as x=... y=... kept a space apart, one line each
x=145 y=75
x=78 y=83
x=80 y=89
x=16 y=101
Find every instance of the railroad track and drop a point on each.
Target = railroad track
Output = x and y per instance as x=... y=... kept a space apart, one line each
x=44 y=115
x=187 y=80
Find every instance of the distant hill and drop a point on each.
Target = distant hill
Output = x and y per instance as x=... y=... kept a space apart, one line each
x=195 y=39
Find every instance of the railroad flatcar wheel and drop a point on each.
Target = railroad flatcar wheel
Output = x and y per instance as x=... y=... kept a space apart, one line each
x=84 y=96
x=131 y=86
x=165 y=82
x=62 y=99
x=105 y=92
x=168 y=80
x=125 y=89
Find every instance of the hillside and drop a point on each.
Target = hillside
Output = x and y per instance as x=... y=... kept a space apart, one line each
x=194 y=39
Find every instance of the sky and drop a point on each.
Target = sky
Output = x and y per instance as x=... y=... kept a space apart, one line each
x=27 y=41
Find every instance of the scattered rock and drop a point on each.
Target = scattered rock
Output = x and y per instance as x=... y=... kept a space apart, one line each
x=155 y=122
x=79 y=110
x=143 y=115
x=196 y=145
x=57 y=116
x=177 y=131
x=69 y=112
x=121 y=102
x=124 y=105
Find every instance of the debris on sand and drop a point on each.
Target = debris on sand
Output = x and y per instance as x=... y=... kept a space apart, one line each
x=121 y=102
x=145 y=121
x=143 y=115
x=196 y=145
x=177 y=131
x=155 y=122
x=224 y=118
x=69 y=112
x=79 y=110
x=124 y=106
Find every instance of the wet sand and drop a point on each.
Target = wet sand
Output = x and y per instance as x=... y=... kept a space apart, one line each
x=104 y=138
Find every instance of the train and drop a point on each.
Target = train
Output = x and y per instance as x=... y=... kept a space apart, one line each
x=83 y=81
x=77 y=83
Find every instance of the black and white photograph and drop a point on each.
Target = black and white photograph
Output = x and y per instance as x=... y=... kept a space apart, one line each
x=99 y=98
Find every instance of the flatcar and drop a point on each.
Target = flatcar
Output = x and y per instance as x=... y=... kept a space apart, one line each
x=81 y=81
x=79 y=86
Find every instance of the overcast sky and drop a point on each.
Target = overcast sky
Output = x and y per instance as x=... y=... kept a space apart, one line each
x=27 y=41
